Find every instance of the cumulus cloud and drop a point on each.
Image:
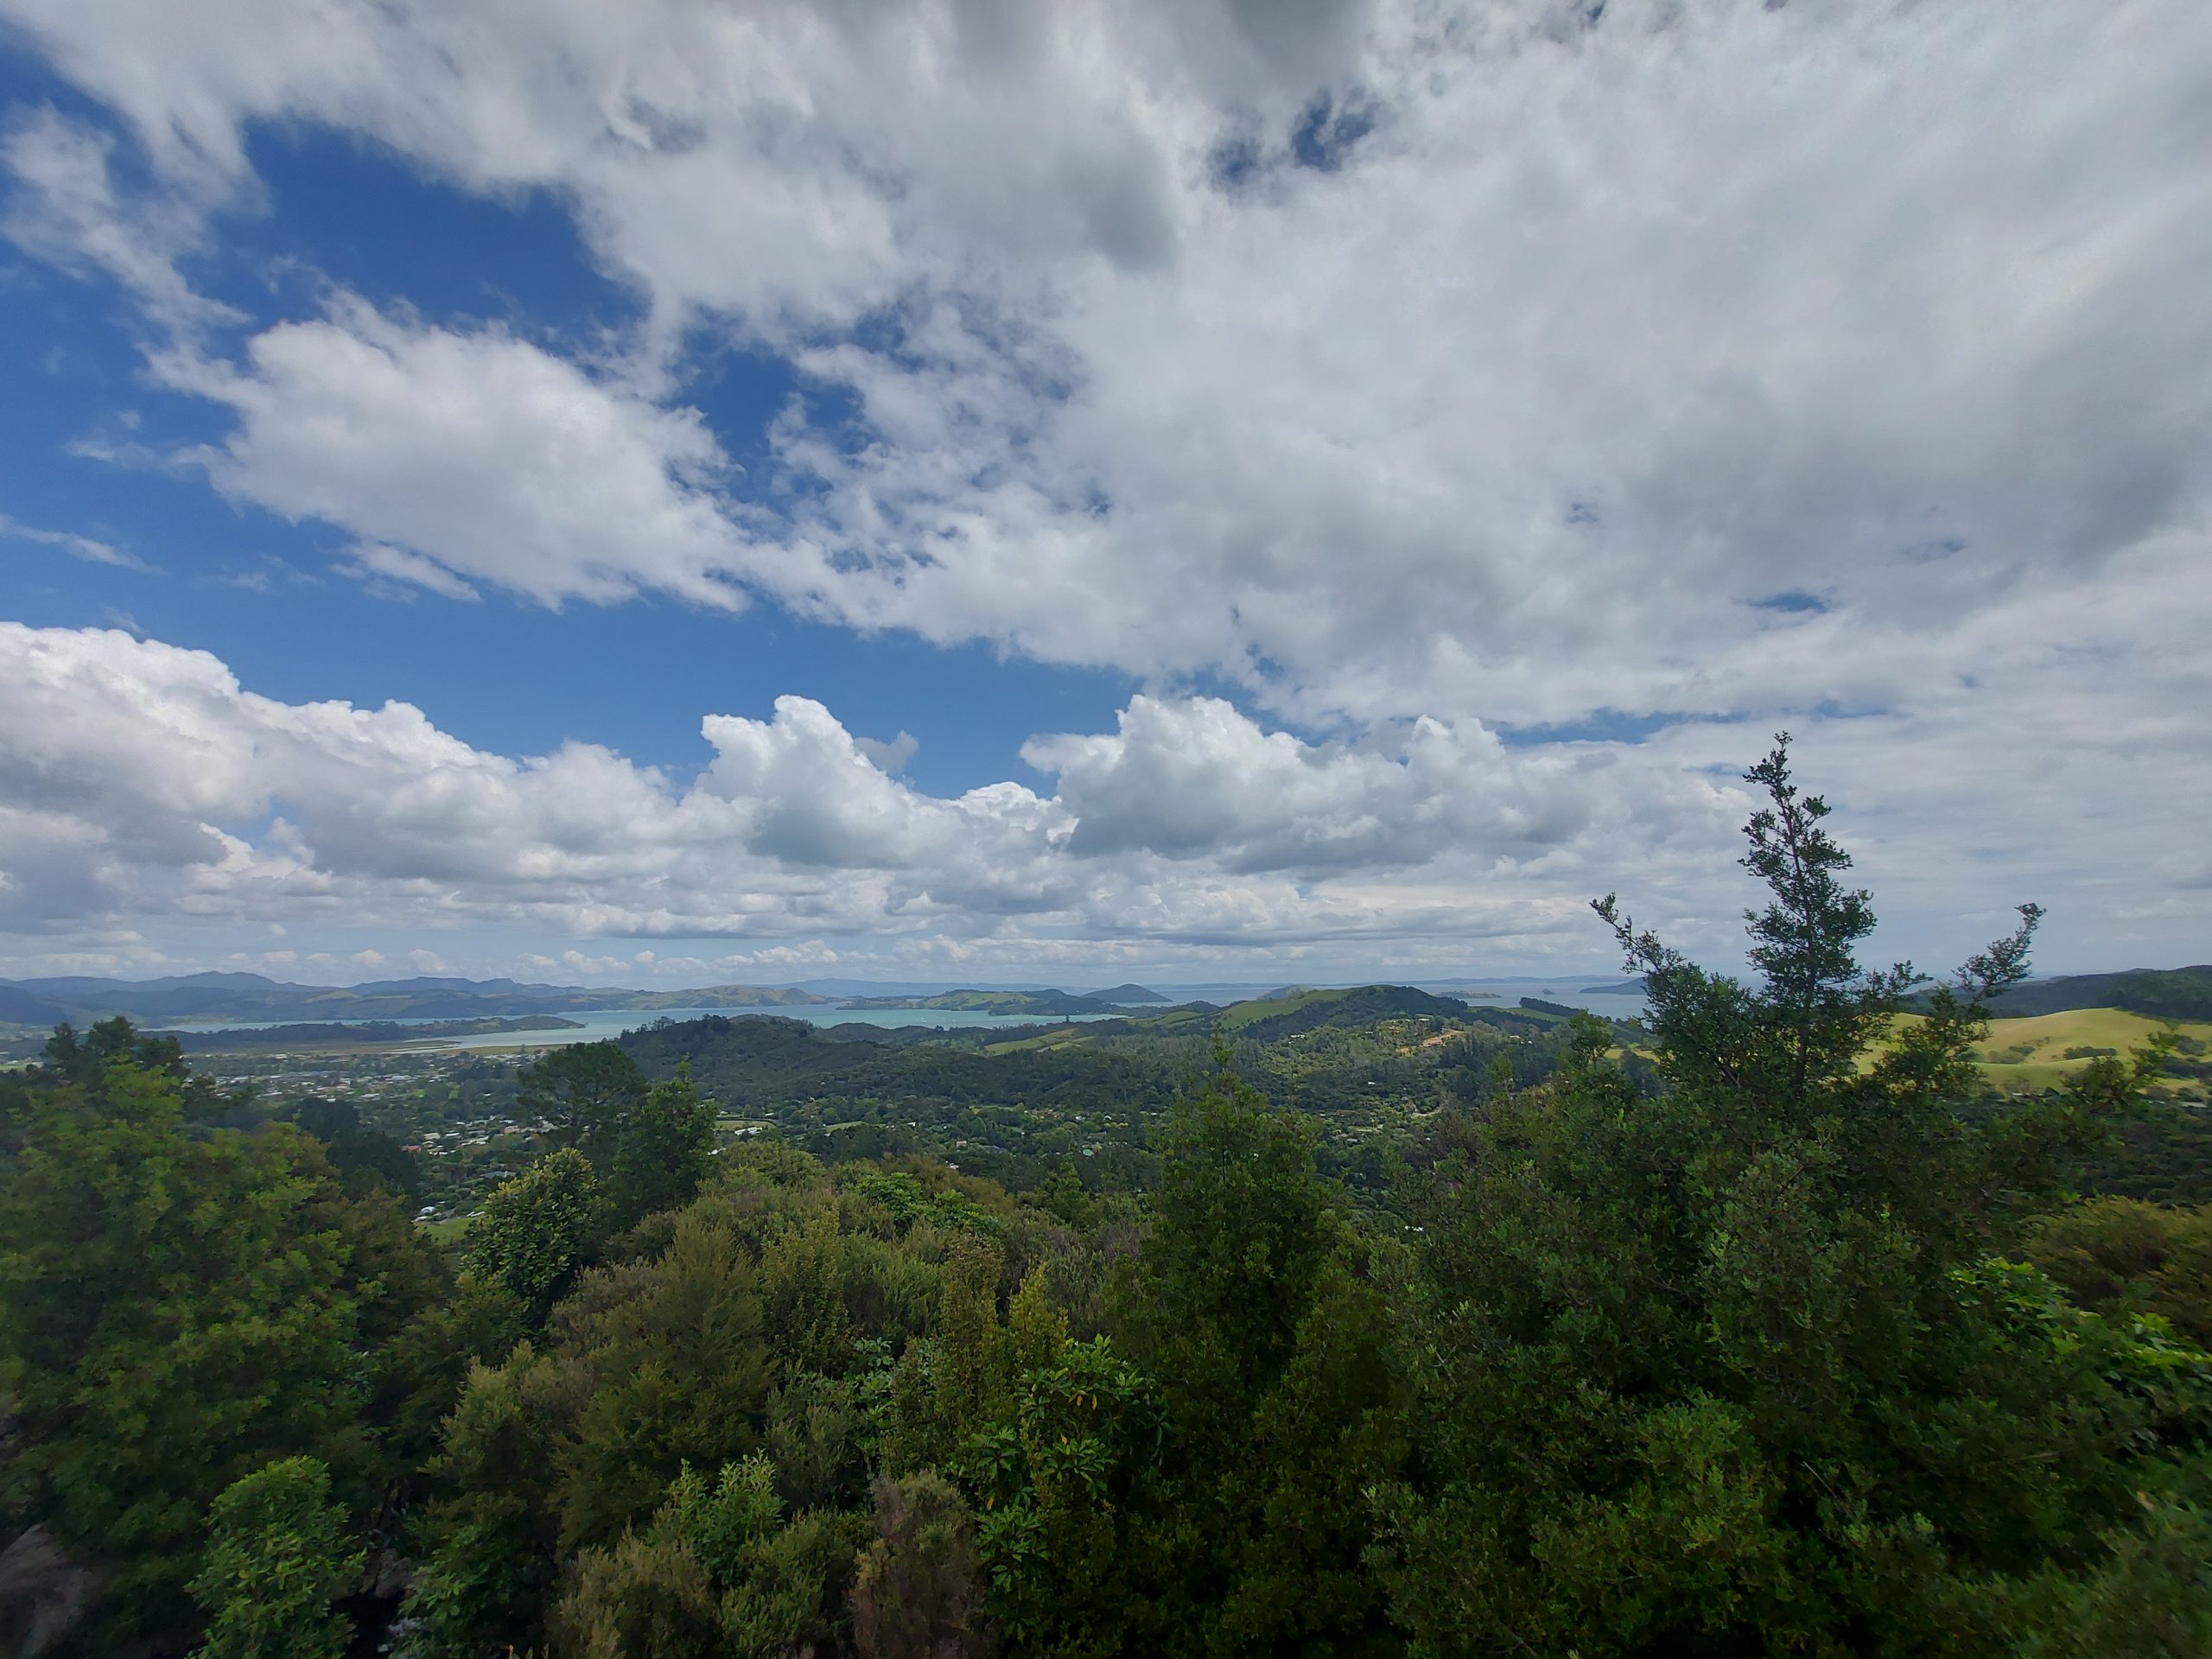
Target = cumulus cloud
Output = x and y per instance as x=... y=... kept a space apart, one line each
x=890 y=754
x=147 y=791
x=1431 y=376
x=1395 y=360
x=1199 y=778
x=460 y=457
x=146 y=785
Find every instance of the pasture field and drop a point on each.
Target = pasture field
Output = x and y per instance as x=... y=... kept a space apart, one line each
x=2043 y=1050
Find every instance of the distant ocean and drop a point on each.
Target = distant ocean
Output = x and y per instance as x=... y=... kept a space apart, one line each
x=600 y=1023
x=595 y=1025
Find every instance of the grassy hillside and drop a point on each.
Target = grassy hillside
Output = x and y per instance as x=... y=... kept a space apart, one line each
x=2042 y=1051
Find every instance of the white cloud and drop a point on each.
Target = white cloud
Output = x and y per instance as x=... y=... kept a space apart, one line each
x=395 y=571
x=1757 y=365
x=147 y=791
x=1198 y=779
x=461 y=457
x=87 y=547
x=1603 y=331
x=148 y=784
x=891 y=754
x=66 y=209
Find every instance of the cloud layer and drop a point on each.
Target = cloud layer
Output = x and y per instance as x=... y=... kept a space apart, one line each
x=147 y=791
x=1426 y=375
x=149 y=797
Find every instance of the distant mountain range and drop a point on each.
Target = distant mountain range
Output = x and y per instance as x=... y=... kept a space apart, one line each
x=215 y=998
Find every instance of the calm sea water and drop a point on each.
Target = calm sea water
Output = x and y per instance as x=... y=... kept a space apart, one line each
x=1613 y=1004
x=594 y=1025
x=597 y=1024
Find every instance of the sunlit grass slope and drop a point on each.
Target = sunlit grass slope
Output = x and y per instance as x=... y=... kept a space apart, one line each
x=2045 y=1050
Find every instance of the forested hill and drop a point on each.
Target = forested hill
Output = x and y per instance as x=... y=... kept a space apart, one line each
x=1271 y=1019
x=1012 y=1103
x=754 y=1063
x=2160 y=993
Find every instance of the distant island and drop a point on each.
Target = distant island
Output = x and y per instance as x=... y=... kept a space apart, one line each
x=1558 y=1010
x=333 y=1034
x=1126 y=994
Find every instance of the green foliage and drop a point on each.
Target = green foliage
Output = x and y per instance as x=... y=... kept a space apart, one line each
x=803 y=1281
x=418 y=1372
x=1271 y=1019
x=2161 y=1151
x=918 y=1593
x=582 y=1092
x=663 y=1364
x=723 y=1522
x=664 y=1147
x=781 y=1583
x=1728 y=1370
x=794 y=1597
x=1037 y=1328
x=85 y=1061
x=2161 y=992
x=2152 y=1594
x=1067 y=1490
x=276 y=1563
x=906 y=1200
x=175 y=1312
x=486 y=1545
x=817 y=1434
x=1241 y=1227
x=648 y=1596
x=1333 y=1428
x=361 y=1155
x=537 y=1230
x=2123 y=1258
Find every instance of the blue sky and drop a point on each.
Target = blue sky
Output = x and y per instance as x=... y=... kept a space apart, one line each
x=504 y=676
x=1142 y=492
